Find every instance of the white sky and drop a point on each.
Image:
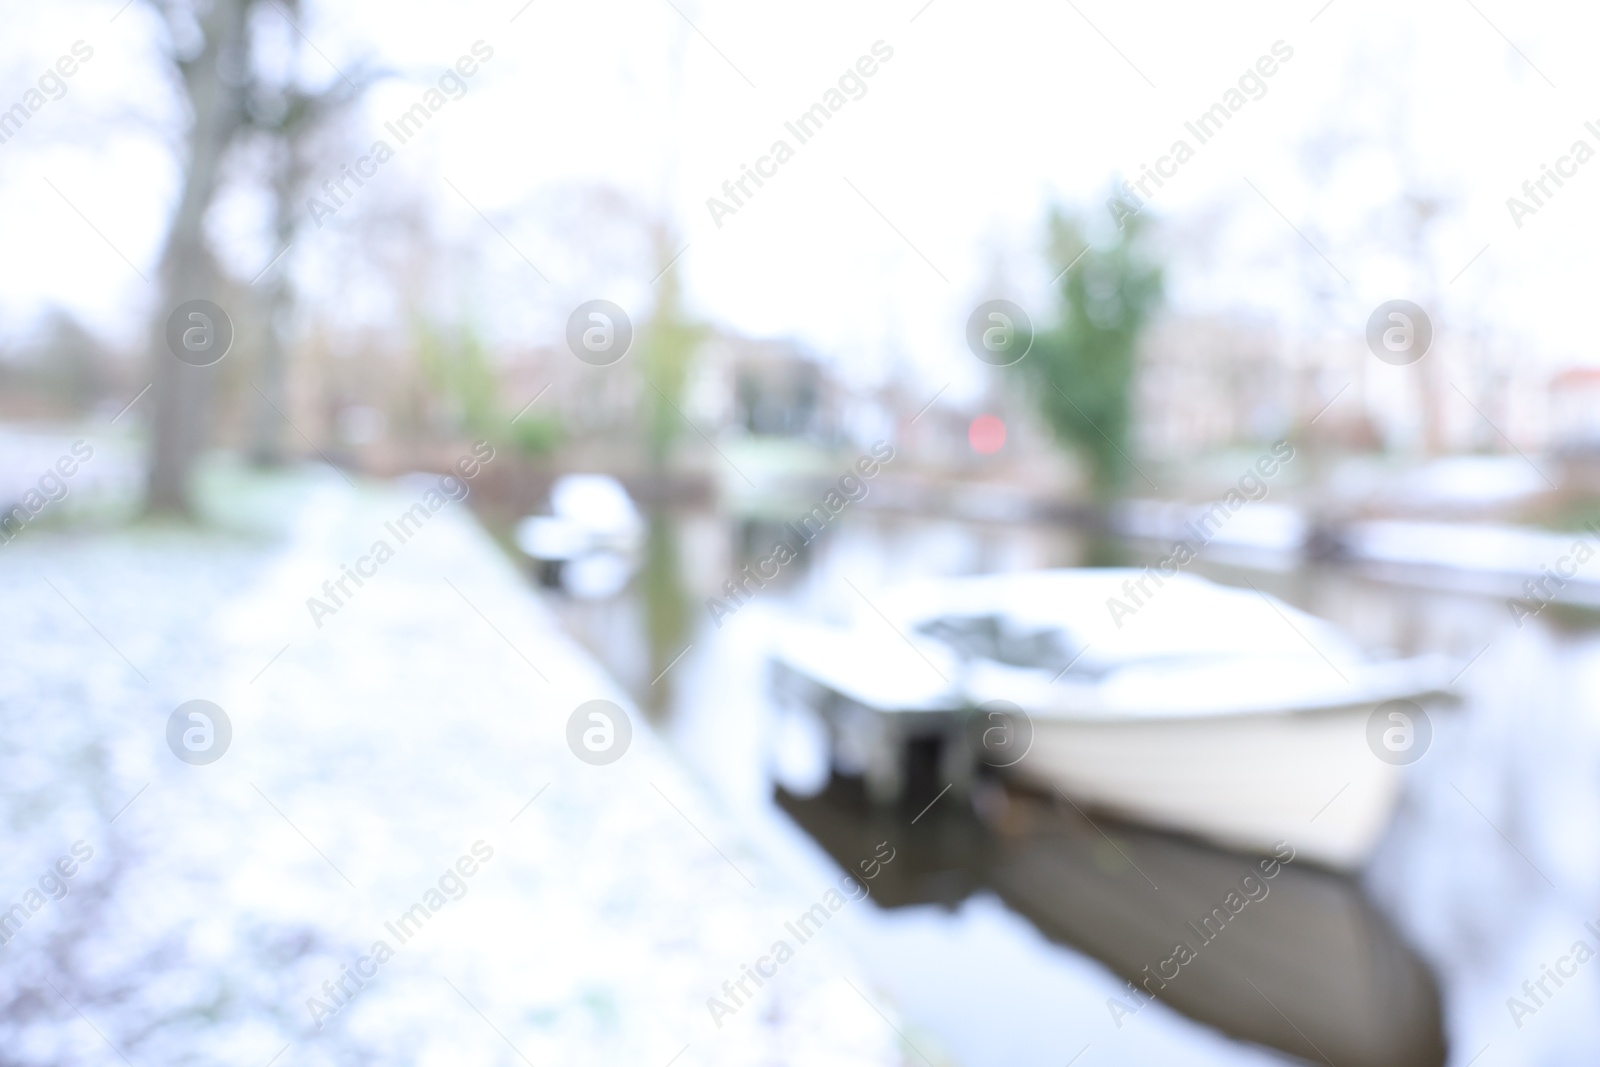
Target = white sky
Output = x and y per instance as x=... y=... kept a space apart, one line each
x=985 y=115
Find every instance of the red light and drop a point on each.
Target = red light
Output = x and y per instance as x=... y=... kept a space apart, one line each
x=986 y=435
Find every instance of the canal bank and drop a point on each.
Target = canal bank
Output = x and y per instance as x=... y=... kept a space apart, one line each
x=396 y=856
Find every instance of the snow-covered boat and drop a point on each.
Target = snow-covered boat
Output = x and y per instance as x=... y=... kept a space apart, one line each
x=590 y=543
x=1174 y=701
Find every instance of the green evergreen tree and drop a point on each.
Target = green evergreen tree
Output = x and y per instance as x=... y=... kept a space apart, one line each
x=1082 y=368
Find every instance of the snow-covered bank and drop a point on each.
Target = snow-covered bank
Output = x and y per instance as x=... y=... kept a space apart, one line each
x=1489 y=559
x=422 y=724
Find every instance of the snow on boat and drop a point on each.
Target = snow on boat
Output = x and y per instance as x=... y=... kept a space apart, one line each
x=590 y=543
x=1187 y=705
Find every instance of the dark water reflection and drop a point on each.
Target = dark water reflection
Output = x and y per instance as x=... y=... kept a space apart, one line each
x=1305 y=945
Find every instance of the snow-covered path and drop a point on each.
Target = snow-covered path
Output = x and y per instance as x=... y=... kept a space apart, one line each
x=412 y=750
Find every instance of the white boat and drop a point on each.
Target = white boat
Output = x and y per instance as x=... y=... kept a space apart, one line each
x=1217 y=711
x=590 y=543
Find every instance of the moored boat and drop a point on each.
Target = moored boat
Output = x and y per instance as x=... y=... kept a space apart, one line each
x=1174 y=701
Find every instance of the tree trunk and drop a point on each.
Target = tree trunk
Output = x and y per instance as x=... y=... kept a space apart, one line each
x=266 y=429
x=214 y=83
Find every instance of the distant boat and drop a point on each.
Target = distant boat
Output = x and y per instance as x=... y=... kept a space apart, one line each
x=1191 y=706
x=589 y=545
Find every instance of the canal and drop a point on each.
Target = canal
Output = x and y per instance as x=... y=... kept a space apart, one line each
x=1010 y=925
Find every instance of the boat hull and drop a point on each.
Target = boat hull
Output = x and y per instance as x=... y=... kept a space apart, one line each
x=1243 y=781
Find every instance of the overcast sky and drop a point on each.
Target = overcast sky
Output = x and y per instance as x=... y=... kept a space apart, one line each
x=916 y=201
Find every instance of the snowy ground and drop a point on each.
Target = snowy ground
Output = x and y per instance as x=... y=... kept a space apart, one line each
x=424 y=721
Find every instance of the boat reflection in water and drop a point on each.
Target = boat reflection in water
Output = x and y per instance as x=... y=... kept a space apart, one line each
x=1297 y=961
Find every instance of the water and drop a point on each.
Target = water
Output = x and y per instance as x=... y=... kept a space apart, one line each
x=1003 y=930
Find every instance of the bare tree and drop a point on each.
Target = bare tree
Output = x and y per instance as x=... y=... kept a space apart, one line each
x=290 y=117
x=214 y=78
x=210 y=51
